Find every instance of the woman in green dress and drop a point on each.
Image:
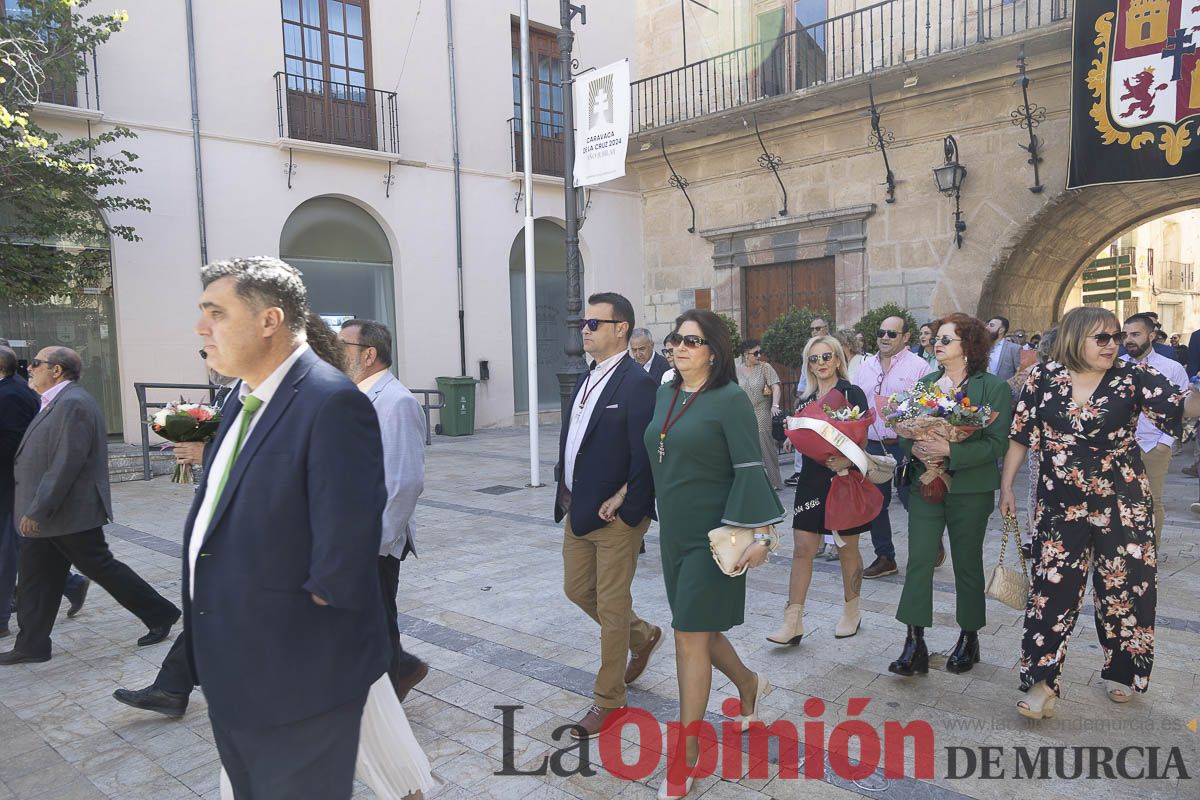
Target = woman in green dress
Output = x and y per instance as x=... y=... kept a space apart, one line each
x=708 y=472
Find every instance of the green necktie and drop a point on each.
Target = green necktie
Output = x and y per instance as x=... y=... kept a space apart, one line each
x=250 y=406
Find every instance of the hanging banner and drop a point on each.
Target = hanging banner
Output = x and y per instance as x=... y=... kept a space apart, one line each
x=601 y=123
x=1135 y=93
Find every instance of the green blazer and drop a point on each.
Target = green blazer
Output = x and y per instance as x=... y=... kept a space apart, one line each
x=973 y=462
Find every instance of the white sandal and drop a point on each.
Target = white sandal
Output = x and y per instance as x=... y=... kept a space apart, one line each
x=1119 y=692
x=1038 y=703
x=760 y=692
x=664 y=791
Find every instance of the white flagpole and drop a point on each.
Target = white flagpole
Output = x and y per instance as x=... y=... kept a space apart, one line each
x=531 y=367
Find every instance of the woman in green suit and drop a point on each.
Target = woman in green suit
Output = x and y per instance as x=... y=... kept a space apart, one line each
x=962 y=345
x=708 y=472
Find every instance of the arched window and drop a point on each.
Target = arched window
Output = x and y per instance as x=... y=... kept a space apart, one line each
x=345 y=258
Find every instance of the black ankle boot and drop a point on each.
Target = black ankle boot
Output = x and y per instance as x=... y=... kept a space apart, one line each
x=915 y=656
x=965 y=654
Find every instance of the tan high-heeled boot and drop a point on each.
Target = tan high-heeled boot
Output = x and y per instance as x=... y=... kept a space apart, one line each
x=792 y=630
x=851 y=620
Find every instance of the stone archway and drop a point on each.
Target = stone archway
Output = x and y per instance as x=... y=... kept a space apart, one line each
x=1030 y=276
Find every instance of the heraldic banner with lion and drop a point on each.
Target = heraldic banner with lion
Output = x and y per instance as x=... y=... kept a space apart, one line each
x=1135 y=94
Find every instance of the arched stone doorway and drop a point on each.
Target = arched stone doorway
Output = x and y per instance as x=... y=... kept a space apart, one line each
x=346 y=260
x=1031 y=276
x=551 y=286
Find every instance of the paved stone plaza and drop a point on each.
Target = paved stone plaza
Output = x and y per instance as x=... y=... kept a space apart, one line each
x=484 y=606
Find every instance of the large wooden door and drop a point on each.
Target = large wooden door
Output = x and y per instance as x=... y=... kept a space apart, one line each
x=768 y=291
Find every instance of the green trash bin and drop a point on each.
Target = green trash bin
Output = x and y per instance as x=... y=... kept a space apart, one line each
x=458 y=417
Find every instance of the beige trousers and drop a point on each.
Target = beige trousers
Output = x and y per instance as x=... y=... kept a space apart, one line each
x=598 y=572
x=1158 y=463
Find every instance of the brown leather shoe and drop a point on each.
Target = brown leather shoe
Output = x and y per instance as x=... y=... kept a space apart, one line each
x=640 y=659
x=881 y=566
x=406 y=683
x=589 y=727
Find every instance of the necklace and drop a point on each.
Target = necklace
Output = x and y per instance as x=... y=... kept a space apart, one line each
x=588 y=387
x=668 y=423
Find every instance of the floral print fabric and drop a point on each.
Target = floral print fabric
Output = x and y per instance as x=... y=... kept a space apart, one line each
x=1093 y=510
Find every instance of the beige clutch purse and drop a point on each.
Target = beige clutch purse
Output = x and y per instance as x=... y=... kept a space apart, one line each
x=1005 y=583
x=727 y=544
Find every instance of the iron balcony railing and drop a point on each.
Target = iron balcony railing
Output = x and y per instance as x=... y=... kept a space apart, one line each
x=859 y=42
x=81 y=90
x=546 y=143
x=317 y=110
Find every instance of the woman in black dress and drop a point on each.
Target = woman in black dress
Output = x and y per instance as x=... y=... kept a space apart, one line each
x=825 y=370
x=1079 y=412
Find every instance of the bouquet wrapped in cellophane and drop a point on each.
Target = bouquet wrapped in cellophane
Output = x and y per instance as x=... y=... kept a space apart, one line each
x=185 y=422
x=852 y=500
x=927 y=413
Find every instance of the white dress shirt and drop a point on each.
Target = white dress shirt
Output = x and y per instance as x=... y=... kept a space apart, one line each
x=1148 y=436
x=265 y=391
x=593 y=387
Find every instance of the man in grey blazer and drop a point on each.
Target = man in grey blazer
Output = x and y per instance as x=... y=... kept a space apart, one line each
x=1005 y=359
x=61 y=505
x=368 y=356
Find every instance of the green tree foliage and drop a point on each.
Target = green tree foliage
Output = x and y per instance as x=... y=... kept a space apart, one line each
x=871 y=321
x=735 y=335
x=784 y=339
x=55 y=192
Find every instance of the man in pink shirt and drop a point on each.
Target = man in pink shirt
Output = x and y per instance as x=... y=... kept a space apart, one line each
x=893 y=369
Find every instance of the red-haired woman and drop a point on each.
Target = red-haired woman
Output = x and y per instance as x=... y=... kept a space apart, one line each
x=961 y=346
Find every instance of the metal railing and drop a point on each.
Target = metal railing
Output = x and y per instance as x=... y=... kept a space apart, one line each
x=144 y=407
x=546 y=147
x=316 y=110
x=856 y=43
x=77 y=91
x=427 y=406
x=1176 y=275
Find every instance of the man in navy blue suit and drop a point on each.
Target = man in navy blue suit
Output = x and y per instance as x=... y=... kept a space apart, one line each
x=606 y=495
x=284 y=616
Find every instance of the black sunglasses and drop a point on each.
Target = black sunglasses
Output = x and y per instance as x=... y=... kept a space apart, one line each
x=1103 y=339
x=882 y=332
x=668 y=351
x=37 y=362
x=690 y=340
x=815 y=357
x=755 y=353
x=593 y=324
x=944 y=340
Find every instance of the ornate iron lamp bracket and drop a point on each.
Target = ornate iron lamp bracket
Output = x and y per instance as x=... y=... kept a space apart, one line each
x=771 y=161
x=1029 y=116
x=388 y=180
x=679 y=182
x=879 y=139
x=290 y=167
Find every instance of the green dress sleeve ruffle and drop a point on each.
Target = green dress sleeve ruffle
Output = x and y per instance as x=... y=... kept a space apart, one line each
x=751 y=502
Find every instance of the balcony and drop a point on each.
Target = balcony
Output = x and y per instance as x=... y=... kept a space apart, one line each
x=546 y=142
x=879 y=36
x=315 y=110
x=1176 y=275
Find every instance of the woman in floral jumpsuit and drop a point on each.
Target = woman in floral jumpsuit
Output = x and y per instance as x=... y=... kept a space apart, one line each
x=1079 y=412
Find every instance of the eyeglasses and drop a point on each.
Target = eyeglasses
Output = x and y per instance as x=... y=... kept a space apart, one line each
x=755 y=353
x=691 y=341
x=593 y=324
x=356 y=344
x=1103 y=339
x=815 y=357
x=37 y=362
x=818 y=328
x=945 y=340
x=668 y=351
x=884 y=332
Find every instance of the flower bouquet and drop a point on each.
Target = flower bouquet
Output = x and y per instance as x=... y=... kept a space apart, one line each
x=185 y=422
x=929 y=413
x=833 y=427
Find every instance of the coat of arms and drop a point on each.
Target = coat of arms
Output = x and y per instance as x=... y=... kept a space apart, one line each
x=1145 y=75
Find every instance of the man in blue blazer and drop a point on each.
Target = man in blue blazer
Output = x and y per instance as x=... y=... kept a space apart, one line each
x=606 y=494
x=284 y=617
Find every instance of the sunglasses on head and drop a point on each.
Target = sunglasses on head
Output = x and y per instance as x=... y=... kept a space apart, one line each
x=815 y=357
x=884 y=332
x=1103 y=339
x=944 y=340
x=690 y=340
x=593 y=324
